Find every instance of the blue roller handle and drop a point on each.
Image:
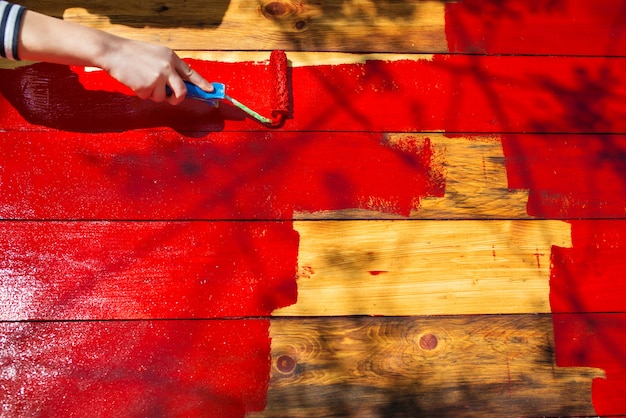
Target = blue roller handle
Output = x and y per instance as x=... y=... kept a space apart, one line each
x=196 y=93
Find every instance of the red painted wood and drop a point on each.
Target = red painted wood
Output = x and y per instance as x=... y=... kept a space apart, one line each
x=596 y=340
x=587 y=289
x=120 y=170
x=164 y=175
x=176 y=368
x=569 y=176
x=130 y=270
x=454 y=93
x=562 y=27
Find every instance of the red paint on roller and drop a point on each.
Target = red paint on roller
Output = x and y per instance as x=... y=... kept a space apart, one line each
x=280 y=99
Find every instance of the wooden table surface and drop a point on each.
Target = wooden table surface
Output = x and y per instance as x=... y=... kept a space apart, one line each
x=436 y=230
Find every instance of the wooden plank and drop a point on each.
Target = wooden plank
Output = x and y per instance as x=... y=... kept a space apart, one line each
x=268 y=24
x=575 y=27
x=129 y=270
x=145 y=270
x=482 y=366
x=474 y=365
x=450 y=93
x=134 y=368
x=595 y=340
x=424 y=267
x=163 y=175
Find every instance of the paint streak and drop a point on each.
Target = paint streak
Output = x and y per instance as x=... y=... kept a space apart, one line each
x=562 y=27
x=568 y=176
x=455 y=93
x=147 y=368
x=102 y=156
x=163 y=175
x=146 y=270
x=587 y=290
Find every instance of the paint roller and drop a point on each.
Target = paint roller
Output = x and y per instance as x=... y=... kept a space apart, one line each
x=280 y=93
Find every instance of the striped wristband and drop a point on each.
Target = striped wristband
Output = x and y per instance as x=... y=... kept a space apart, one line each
x=10 y=22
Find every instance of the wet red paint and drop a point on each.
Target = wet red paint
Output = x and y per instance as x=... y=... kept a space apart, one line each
x=117 y=217
x=146 y=270
x=168 y=368
x=577 y=175
x=587 y=289
x=136 y=275
x=561 y=27
x=138 y=160
x=455 y=93
x=164 y=175
x=569 y=176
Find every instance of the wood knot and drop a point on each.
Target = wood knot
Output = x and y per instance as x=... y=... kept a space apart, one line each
x=278 y=10
x=428 y=342
x=285 y=364
x=292 y=14
x=299 y=24
x=275 y=8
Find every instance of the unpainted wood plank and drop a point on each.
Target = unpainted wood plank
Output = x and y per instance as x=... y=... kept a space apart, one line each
x=475 y=175
x=424 y=267
x=575 y=27
x=482 y=366
x=365 y=25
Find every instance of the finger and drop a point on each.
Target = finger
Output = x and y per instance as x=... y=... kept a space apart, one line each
x=199 y=81
x=158 y=94
x=183 y=69
x=186 y=72
x=143 y=93
x=178 y=90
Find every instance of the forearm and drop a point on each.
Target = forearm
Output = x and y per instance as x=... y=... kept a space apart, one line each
x=47 y=39
x=147 y=69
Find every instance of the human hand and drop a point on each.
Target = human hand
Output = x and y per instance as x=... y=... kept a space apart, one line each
x=147 y=69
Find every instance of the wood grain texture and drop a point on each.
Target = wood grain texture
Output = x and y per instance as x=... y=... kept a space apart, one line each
x=522 y=111
x=452 y=93
x=438 y=366
x=164 y=175
x=393 y=26
x=424 y=267
x=573 y=27
x=134 y=368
